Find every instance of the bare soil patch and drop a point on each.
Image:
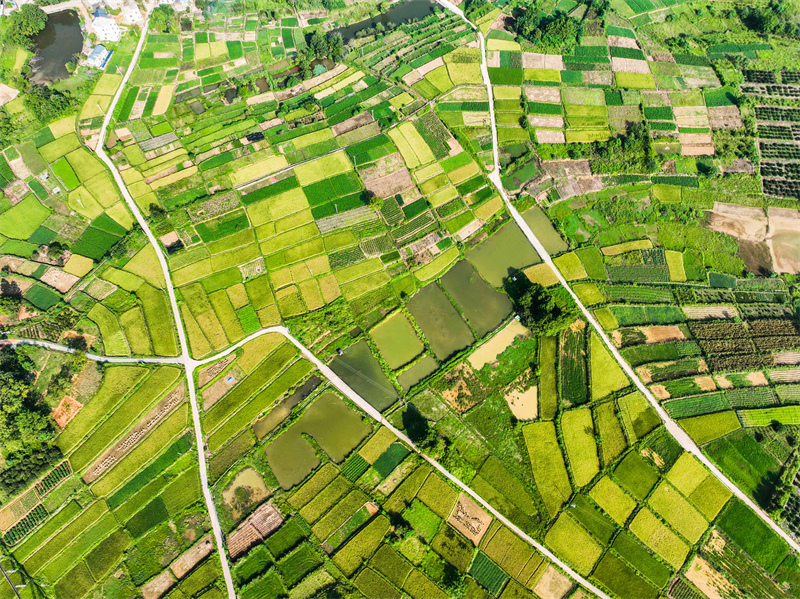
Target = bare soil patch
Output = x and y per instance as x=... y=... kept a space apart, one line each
x=524 y=404
x=710 y=312
x=543 y=94
x=659 y=333
x=216 y=391
x=785 y=376
x=552 y=585
x=352 y=123
x=622 y=42
x=706 y=383
x=725 y=117
x=742 y=222
x=63 y=281
x=660 y=391
x=629 y=65
x=551 y=122
x=430 y=66
x=262 y=523
x=159 y=586
x=554 y=62
x=189 y=559
x=469 y=519
x=458 y=394
x=784 y=242
x=710 y=581
x=758 y=379
x=543 y=136
x=787 y=358
x=210 y=372
x=390 y=185
x=723 y=382
x=66 y=410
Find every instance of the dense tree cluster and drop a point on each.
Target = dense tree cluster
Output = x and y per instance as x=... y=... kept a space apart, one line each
x=630 y=153
x=46 y=103
x=24 y=422
x=540 y=309
x=779 y=17
x=24 y=24
x=557 y=31
x=162 y=19
x=320 y=47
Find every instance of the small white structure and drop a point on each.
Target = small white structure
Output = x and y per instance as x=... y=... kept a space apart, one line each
x=97 y=58
x=131 y=14
x=106 y=29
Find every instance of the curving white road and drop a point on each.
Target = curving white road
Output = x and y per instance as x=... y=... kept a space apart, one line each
x=676 y=431
x=184 y=358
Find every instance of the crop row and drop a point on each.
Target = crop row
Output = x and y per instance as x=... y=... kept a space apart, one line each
x=751 y=397
x=773 y=326
x=53 y=478
x=783 y=132
x=24 y=526
x=644 y=295
x=775 y=113
x=717 y=330
x=734 y=345
x=785 y=170
x=753 y=76
x=738 y=362
x=783 y=151
x=572 y=369
x=642 y=273
x=777 y=343
x=781 y=188
x=785 y=91
x=788 y=76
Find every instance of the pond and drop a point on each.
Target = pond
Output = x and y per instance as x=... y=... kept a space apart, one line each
x=55 y=45
x=361 y=370
x=396 y=15
x=506 y=249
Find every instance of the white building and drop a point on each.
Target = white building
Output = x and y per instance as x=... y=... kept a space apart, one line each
x=131 y=14
x=106 y=29
x=97 y=58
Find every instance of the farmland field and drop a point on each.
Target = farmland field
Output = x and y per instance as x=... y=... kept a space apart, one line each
x=375 y=280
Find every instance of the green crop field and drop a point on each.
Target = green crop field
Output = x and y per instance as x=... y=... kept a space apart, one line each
x=343 y=265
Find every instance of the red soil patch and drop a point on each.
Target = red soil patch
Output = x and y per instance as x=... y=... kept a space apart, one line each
x=66 y=410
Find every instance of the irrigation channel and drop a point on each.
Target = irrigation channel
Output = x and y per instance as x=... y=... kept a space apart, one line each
x=191 y=364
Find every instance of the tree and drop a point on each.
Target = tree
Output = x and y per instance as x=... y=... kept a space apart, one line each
x=22 y=422
x=47 y=103
x=556 y=31
x=24 y=24
x=373 y=201
x=539 y=308
x=335 y=46
x=162 y=18
x=319 y=45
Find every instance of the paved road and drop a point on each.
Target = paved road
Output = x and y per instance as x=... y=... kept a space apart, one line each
x=676 y=431
x=184 y=358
